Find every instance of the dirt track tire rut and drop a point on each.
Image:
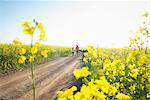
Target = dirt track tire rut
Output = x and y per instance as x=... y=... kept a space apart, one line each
x=21 y=87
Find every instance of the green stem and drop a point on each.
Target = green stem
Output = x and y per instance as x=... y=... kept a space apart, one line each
x=31 y=40
x=33 y=81
x=32 y=72
x=146 y=45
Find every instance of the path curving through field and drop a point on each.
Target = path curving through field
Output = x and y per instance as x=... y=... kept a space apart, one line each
x=50 y=77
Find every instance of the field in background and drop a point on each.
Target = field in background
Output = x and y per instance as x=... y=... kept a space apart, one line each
x=9 y=56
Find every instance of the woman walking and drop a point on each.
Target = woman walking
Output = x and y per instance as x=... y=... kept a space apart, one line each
x=77 y=49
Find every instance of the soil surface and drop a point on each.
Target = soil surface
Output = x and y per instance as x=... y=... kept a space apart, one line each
x=50 y=77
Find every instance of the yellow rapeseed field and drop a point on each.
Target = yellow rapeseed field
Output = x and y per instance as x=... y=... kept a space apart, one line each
x=115 y=73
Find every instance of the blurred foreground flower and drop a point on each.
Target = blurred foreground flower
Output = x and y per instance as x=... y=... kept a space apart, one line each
x=28 y=29
x=31 y=59
x=34 y=50
x=146 y=14
x=42 y=31
x=121 y=96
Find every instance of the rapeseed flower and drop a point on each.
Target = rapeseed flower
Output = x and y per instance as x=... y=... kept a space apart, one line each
x=37 y=44
x=67 y=94
x=34 y=50
x=31 y=59
x=22 y=59
x=78 y=73
x=146 y=14
x=42 y=31
x=44 y=53
x=28 y=29
x=17 y=41
x=122 y=96
x=134 y=73
x=22 y=51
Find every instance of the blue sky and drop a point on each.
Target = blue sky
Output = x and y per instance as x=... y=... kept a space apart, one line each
x=99 y=23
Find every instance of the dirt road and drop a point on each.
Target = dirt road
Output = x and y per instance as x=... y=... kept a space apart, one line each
x=50 y=77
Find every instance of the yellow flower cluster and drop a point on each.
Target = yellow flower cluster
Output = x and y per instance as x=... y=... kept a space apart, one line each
x=37 y=44
x=121 y=96
x=78 y=73
x=28 y=28
x=22 y=51
x=17 y=41
x=146 y=14
x=94 y=90
x=134 y=73
x=42 y=31
x=67 y=94
x=89 y=92
x=121 y=75
x=22 y=59
x=44 y=53
x=139 y=40
x=34 y=50
x=116 y=74
x=31 y=59
x=104 y=86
